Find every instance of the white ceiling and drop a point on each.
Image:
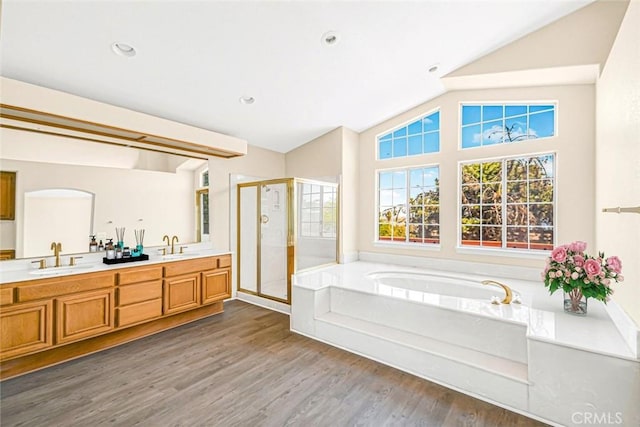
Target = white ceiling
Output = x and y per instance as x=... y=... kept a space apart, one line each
x=196 y=59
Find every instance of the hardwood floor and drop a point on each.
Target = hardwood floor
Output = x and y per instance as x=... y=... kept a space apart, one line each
x=241 y=368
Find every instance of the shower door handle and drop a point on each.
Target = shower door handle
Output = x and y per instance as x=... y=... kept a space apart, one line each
x=264 y=219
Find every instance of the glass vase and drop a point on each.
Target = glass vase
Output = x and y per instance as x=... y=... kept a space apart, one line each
x=575 y=303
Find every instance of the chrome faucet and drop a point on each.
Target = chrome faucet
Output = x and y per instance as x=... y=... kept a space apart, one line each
x=57 y=248
x=509 y=294
x=174 y=239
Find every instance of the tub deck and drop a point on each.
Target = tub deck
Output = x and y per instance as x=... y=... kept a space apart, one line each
x=515 y=356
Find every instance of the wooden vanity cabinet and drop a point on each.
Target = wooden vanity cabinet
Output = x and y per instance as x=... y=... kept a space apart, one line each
x=84 y=315
x=25 y=328
x=139 y=295
x=216 y=284
x=50 y=320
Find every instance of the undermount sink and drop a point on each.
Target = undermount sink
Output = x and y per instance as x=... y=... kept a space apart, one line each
x=178 y=256
x=49 y=271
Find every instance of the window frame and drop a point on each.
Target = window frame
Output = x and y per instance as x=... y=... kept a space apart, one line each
x=406 y=124
x=503 y=250
x=505 y=103
x=406 y=242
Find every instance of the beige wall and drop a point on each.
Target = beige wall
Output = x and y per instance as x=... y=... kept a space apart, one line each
x=258 y=162
x=574 y=146
x=349 y=203
x=319 y=158
x=618 y=158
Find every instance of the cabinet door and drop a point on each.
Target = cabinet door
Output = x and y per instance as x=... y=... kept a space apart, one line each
x=25 y=328
x=84 y=315
x=216 y=285
x=7 y=195
x=181 y=293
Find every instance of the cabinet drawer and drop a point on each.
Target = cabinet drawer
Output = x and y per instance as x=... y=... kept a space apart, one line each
x=6 y=295
x=139 y=292
x=138 y=312
x=224 y=261
x=47 y=288
x=135 y=275
x=194 y=265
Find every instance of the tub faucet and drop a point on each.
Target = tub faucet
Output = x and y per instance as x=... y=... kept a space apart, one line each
x=507 y=290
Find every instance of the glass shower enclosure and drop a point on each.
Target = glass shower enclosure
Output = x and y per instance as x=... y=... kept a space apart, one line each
x=284 y=226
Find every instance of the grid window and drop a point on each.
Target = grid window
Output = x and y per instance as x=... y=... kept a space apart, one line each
x=409 y=205
x=489 y=124
x=318 y=213
x=419 y=137
x=508 y=203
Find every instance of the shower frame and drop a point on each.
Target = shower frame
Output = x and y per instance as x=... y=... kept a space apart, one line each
x=292 y=221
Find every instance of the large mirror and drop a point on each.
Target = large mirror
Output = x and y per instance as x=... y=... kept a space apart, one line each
x=67 y=190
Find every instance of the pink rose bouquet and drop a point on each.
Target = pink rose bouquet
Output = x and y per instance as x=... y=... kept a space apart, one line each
x=569 y=268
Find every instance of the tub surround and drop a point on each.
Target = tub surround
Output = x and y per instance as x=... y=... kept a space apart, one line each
x=531 y=358
x=70 y=312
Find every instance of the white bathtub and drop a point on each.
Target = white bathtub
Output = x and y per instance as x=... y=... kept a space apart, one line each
x=443 y=327
x=412 y=285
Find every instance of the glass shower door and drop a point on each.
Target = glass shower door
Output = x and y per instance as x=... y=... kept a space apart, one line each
x=274 y=238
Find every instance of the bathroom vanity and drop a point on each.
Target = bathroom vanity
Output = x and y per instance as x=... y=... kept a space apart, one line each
x=49 y=318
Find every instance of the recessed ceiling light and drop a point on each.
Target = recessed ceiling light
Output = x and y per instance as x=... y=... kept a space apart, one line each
x=247 y=100
x=123 y=49
x=330 y=38
x=434 y=68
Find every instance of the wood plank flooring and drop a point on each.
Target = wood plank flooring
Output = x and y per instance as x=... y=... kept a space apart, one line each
x=240 y=368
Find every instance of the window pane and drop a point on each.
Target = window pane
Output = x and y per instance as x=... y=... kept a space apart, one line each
x=432 y=142
x=470 y=194
x=431 y=196
x=384 y=150
x=470 y=114
x=515 y=129
x=517 y=237
x=400 y=132
x=400 y=147
x=386 y=180
x=399 y=179
x=415 y=233
x=431 y=177
x=415 y=215
x=470 y=235
x=471 y=215
x=431 y=234
x=491 y=194
x=416 y=177
x=517 y=214
x=492 y=214
x=471 y=173
x=541 y=238
x=534 y=108
x=386 y=137
x=492 y=236
x=541 y=191
x=541 y=214
x=491 y=112
x=386 y=197
x=517 y=192
x=541 y=124
x=516 y=169
x=541 y=167
x=432 y=122
x=432 y=215
x=471 y=136
x=415 y=144
x=515 y=110
x=399 y=197
x=492 y=132
x=492 y=172
x=384 y=231
x=415 y=127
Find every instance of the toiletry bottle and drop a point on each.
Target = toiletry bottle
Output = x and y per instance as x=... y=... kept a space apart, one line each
x=111 y=252
x=100 y=247
x=93 y=245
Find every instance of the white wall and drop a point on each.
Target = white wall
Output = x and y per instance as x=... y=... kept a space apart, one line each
x=574 y=145
x=618 y=158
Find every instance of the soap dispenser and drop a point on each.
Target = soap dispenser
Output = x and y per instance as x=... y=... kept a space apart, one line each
x=93 y=245
x=111 y=252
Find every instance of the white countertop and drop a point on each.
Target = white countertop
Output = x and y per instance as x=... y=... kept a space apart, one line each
x=542 y=313
x=25 y=269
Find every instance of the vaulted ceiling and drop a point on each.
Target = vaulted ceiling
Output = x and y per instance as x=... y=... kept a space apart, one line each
x=195 y=59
